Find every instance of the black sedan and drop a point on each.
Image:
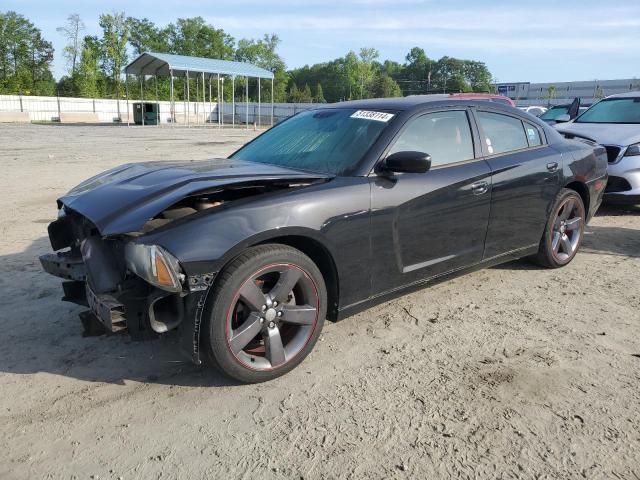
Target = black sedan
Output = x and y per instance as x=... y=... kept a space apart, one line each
x=327 y=213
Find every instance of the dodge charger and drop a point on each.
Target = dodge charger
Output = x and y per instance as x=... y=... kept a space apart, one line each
x=329 y=212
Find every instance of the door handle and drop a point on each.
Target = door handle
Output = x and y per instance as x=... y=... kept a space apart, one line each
x=479 y=188
x=552 y=166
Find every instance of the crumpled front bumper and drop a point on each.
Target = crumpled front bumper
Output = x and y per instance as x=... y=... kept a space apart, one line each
x=137 y=307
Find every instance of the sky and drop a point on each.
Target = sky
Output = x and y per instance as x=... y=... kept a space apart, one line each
x=536 y=41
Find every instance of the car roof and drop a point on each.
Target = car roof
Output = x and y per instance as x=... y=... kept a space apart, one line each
x=414 y=101
x=625 y=95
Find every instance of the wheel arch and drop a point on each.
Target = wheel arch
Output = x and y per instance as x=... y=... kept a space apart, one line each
x=581 y=189
x=322 y=257
x=308 y=244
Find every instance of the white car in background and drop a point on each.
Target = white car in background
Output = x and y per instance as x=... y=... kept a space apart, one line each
x=534 y=110
x=614 y=123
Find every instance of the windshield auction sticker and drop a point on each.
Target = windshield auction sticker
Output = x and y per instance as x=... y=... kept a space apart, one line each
x=369 y=115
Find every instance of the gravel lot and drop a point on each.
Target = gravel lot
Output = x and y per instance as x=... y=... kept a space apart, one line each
x=511 y=372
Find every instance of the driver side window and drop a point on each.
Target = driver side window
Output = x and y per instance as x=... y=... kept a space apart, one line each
x=446 y=136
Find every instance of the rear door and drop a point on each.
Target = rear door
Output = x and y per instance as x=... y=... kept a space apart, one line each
x=425 y=224
x=525 y=180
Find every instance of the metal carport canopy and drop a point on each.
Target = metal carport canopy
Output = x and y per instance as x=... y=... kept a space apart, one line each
x=162 y=64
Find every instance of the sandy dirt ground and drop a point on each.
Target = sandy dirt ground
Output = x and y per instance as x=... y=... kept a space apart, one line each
x=510 y=372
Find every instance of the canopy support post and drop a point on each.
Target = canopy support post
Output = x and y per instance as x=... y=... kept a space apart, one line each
x=210 y=110
x=157 y=102
x=246 y=101
x=196 y=104
x=204 y=103
x=188 y=102
x=126 y=89
x=259 y=102
x=233 y=102
x=172 y=105
x=272 y=101
x=218 y=97
x=142 y=98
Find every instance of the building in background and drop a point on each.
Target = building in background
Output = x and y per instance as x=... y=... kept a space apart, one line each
x=553 y=93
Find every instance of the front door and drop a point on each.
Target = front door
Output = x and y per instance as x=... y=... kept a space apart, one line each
x=427 y=224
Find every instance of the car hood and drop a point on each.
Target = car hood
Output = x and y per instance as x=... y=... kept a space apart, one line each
x=123 y=199
x=603 y=133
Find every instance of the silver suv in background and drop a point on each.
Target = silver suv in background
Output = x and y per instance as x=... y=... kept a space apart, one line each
x=614 y=123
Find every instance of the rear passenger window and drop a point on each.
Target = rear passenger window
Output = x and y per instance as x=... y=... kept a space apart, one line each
x=533 y=135
x=502 y=133
x=445 y=136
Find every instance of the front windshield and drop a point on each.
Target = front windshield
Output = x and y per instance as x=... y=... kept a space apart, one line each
x=330 y=140
x=613 y=110
x=554 y=112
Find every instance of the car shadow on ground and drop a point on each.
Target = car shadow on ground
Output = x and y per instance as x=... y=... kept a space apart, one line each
x=43 y=334
x=617 y=241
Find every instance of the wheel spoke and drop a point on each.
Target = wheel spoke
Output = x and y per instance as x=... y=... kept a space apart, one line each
x=274 y=348
x=252 y=296
x=299 y=314
x=241 y=336
x=286 y=282
x=555 y=241
x=567 y=209
x=573 y=223
x=566 y=244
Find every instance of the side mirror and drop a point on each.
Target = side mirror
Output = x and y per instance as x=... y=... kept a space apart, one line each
x=563 y=118
x=407 y=162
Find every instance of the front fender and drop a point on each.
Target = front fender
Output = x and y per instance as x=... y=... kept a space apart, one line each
x=336 y=215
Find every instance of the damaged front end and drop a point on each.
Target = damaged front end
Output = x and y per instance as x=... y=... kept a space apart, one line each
x=127 y=286
x=105 y=250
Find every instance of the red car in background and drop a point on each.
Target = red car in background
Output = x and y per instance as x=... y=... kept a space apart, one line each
x=484 y=96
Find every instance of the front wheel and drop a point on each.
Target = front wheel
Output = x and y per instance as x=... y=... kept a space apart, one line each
x=564 y=231
x=265 y=313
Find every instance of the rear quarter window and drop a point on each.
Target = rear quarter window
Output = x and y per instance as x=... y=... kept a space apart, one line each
x=533 y=135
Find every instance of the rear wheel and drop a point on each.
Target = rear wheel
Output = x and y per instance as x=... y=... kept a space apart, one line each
x=564 y=231
x=265 y=313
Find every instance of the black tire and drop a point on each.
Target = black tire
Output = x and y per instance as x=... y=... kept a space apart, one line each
x=232 y=313
x=552 y=252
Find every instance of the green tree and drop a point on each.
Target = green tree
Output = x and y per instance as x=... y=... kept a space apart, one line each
x=115 y=34
x=145 y=36
x=195 y=37
x=25 y=57
x=71 y=31
x=319 y=96
x=89 y=75
x=551 y=94
x=263 y=53
x=418 y=69
x=599 y=92
x=386 y=87
x=294 y=94
x=306 y=96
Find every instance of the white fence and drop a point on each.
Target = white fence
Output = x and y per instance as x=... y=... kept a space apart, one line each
x=48 y=109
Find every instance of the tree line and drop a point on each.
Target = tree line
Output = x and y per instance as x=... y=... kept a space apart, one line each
x=95 y=63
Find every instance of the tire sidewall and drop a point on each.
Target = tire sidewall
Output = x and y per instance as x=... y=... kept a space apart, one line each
x=215 y=344
x=548 y=239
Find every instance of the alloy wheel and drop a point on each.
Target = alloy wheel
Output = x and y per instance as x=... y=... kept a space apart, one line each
x=567 y=230
x=272 y=317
